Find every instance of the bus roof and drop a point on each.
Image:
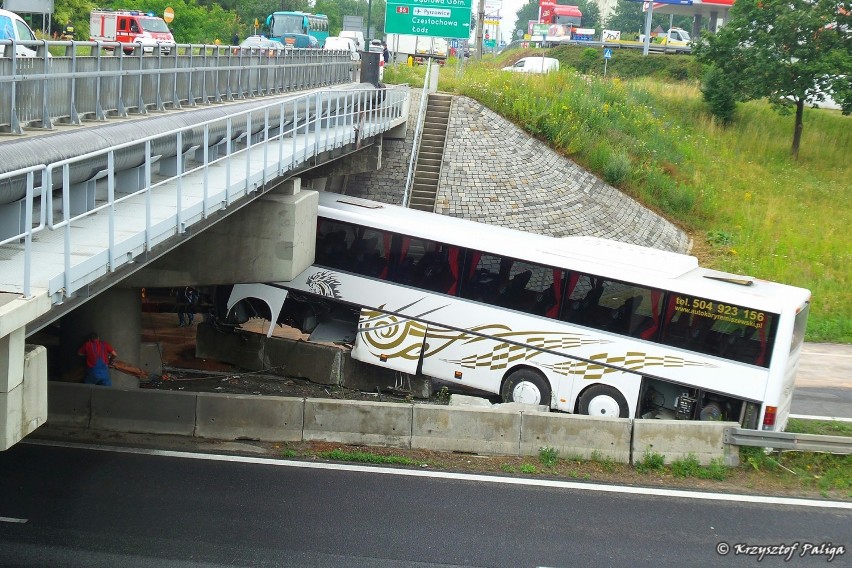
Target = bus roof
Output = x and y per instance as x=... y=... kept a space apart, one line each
x=603 y=257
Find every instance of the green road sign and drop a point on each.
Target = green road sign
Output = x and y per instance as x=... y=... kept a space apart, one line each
x=436 y=18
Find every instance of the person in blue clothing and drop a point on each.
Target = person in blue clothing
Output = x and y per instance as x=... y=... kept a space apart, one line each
x=99 y=355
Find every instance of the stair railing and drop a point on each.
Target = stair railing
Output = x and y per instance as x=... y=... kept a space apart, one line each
x=418 y=131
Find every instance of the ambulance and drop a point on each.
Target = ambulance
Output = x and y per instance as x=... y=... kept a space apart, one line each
x=131 y=27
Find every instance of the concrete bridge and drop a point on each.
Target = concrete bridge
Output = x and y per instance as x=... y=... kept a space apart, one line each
x=99 y=203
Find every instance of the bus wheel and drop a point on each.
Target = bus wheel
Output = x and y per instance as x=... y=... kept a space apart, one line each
x=526 y=386
x=603 y=400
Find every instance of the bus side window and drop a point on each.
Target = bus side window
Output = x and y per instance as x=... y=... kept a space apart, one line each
x=483 y=277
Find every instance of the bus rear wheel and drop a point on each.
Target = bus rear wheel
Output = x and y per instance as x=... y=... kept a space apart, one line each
x=603 y=400
x=526 y=386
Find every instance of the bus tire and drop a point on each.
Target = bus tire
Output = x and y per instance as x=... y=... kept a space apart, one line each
x=526 y=386
x=603 y=400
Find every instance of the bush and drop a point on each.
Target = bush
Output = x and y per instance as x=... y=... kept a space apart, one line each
x=588 y=60
x=719 y=94
x=617 y=169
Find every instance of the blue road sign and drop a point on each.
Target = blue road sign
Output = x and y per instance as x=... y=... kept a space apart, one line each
x=454 y=43
x=607 y=53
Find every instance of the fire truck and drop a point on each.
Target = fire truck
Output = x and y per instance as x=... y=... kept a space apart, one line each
x=131 y=27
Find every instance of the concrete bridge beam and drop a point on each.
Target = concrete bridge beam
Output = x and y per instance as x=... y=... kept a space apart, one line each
x=270 y=240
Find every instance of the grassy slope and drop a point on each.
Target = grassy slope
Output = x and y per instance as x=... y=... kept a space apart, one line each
x=751 y=208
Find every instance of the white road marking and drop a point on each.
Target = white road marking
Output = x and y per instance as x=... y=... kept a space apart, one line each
x=12 y=520
x=623 y=489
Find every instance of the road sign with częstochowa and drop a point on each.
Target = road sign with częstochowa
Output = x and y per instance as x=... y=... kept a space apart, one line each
x=436 y=18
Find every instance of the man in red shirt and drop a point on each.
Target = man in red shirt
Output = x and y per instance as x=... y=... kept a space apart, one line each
x=99 y=354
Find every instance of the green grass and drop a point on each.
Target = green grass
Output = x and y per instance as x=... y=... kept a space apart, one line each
x=751 y=208
x=824 y=472
x=366 y=457
x=822 y=427
x=548 y=456
x=651 y=461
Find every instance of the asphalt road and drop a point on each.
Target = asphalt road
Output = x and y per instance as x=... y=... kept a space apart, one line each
x=62 y=506
x=824 y=381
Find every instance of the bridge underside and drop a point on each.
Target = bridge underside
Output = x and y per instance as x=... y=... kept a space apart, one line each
x=209 y=216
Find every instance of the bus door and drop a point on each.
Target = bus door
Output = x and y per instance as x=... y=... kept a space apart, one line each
x=389 y=340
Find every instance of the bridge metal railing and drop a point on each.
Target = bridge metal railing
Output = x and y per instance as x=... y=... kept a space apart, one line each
x=97 y=80
x=230 y=158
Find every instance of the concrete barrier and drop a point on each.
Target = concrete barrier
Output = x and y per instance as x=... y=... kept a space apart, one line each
x=323 y=364
x=460 y=429
x=69 y=404
x=318 y=363
x=247 y=417
x=244 y=350
x=145 y=411
x=576 y=435
x=354 y=422
x=676 y=439
x=511 y=431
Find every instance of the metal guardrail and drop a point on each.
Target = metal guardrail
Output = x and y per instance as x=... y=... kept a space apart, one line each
x=46 y=89
x=789 y=441
x=234 y=156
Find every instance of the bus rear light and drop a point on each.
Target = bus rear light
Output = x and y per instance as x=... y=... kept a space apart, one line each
x=769 y=417
x=457 y=374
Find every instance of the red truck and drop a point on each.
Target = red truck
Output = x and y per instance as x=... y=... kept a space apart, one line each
x=131 y=27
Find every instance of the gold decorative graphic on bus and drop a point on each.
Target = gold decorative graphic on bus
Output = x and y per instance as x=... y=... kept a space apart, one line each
x=404 y=338
x=632 y=361
x=391 y=335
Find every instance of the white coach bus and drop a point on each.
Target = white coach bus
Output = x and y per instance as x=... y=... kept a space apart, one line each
x=580 y=324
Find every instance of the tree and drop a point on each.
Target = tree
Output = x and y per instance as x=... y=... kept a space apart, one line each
x=628 y=17
x=791 y=52
x=591 y=13
x=527 y=12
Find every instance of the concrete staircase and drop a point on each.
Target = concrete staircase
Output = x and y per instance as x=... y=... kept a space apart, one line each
x=424 y=187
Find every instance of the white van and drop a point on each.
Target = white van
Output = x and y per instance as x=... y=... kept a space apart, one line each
x=358 y=37
x=12 y=26
x=534 y=65
x=344 y=44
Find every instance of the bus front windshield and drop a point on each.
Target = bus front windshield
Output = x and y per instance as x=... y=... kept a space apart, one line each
x=283 y=24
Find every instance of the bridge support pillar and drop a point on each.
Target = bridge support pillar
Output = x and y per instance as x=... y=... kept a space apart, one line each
x=23 y=369
x=116 y=314
x=714 y=21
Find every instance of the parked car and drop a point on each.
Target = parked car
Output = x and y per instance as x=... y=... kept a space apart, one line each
x=344 y=44
x=265 y=45
x=534 y=65
x=12 y=26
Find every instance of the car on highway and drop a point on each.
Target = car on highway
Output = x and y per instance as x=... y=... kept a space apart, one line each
x=343 y=44
x=262 y=44
x=534 y=65
x=13 y=27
